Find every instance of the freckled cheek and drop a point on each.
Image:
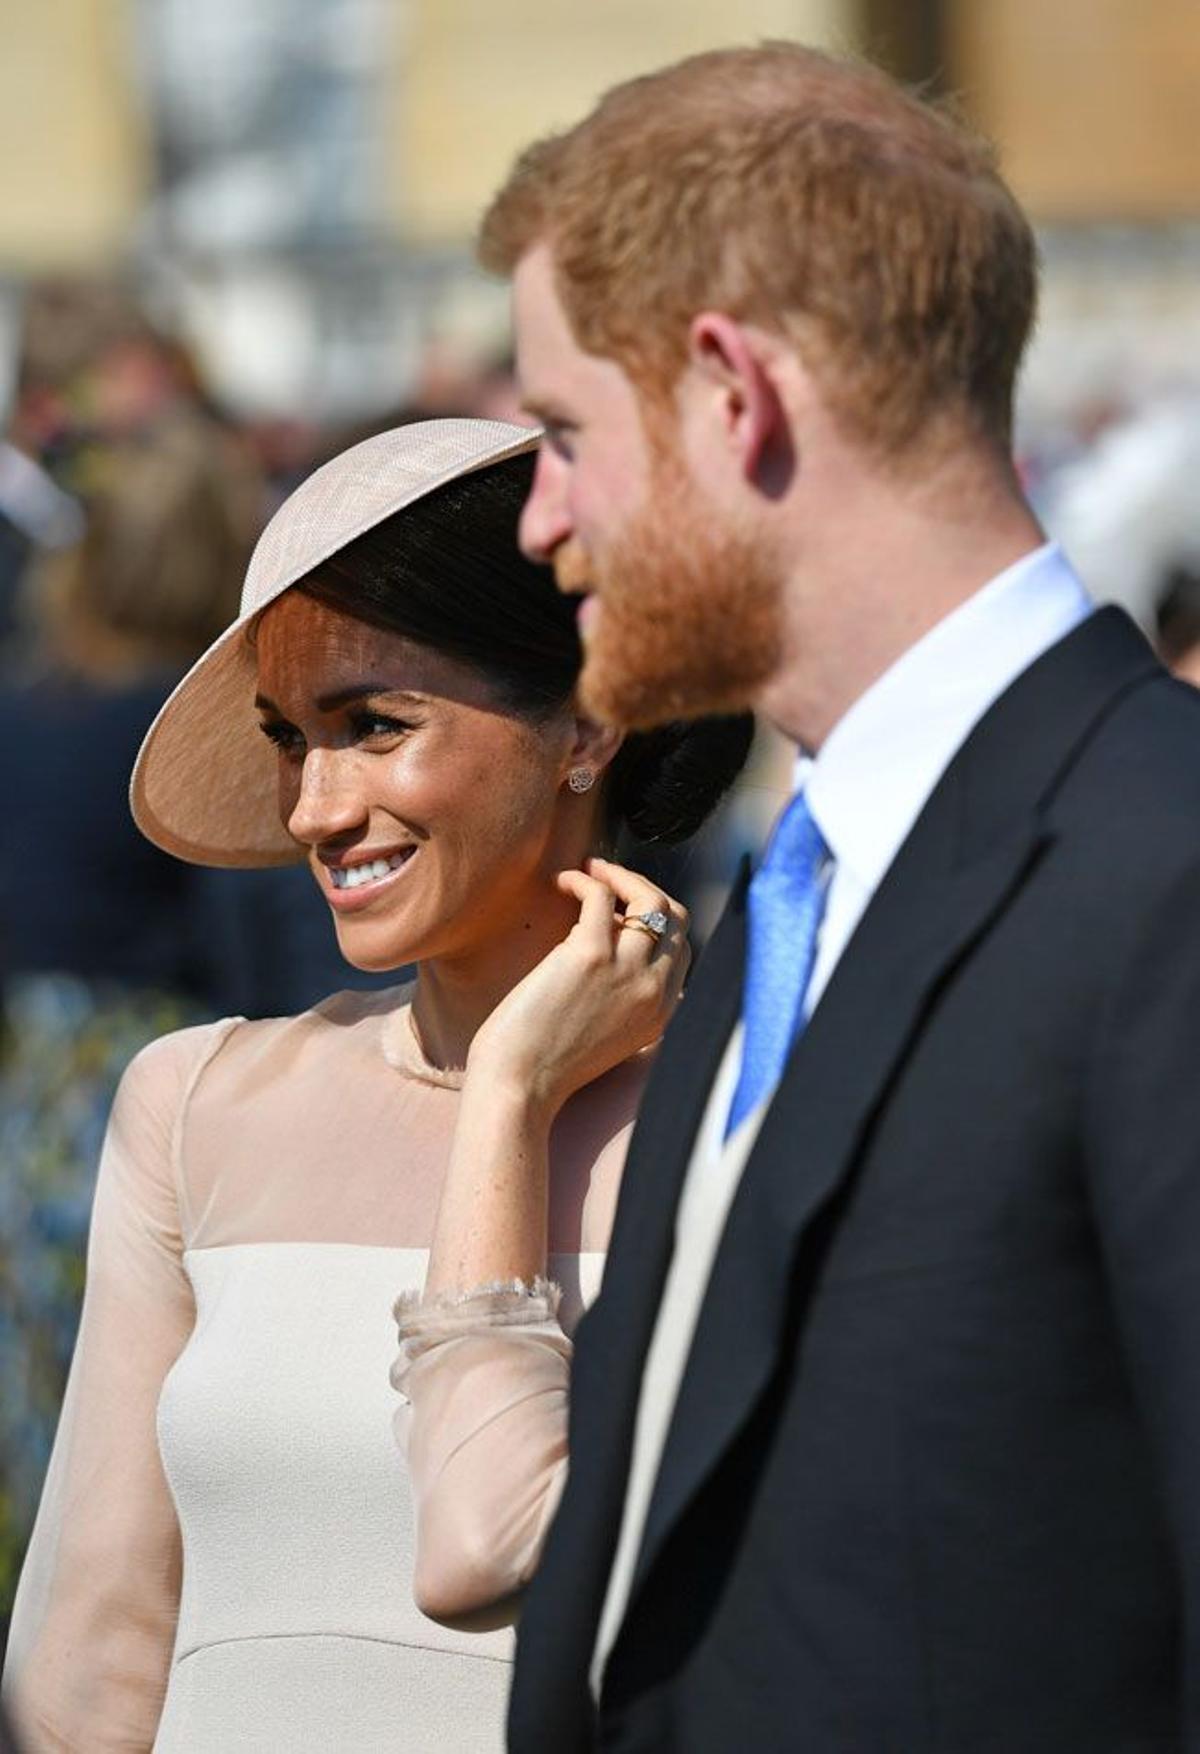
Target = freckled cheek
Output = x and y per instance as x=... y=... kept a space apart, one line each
x=500 y=813
x=436 y=792
x=474 y=793
x=487 y=814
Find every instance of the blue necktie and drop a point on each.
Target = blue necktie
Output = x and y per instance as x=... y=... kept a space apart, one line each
x=784 y=906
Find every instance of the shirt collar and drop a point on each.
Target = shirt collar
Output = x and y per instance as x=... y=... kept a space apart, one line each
x=880 y=763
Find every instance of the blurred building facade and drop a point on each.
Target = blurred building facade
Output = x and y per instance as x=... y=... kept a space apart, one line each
x=297 y=181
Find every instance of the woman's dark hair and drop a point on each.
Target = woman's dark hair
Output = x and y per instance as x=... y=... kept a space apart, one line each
x=446 y=572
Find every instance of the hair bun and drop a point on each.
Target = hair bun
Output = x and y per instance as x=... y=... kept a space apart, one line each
x=664 y=783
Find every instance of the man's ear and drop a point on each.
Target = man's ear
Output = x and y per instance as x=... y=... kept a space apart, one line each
x=732 y=369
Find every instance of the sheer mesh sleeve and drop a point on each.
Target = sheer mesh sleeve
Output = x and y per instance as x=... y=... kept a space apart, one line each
x=94 y=1620
x=485 y=1377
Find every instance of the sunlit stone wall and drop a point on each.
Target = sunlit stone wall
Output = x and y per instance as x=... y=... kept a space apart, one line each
x=481 y=80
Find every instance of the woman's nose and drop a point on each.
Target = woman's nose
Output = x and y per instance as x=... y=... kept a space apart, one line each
x=545 y=521
x=330 y=801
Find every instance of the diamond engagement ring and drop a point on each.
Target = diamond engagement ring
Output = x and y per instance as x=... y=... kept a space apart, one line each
x=654 y=923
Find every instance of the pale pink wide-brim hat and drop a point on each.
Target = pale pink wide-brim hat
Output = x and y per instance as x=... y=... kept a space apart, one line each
x=204 y=783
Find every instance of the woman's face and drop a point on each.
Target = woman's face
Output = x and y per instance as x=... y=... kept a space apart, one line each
x=433 y=817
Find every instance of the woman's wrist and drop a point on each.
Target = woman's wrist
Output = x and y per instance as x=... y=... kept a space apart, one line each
x=491 y=1225
x=522 y=1091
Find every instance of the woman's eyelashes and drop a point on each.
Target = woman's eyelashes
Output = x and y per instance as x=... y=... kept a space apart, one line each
x=368 y=726
x=285 y=737
x=363 y=727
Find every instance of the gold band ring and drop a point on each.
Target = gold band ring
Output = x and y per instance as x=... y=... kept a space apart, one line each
x=654 y=924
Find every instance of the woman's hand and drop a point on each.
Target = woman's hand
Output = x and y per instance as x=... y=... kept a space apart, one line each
x=602 y=994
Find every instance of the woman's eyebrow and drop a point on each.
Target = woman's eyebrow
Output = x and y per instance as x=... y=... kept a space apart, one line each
x=339 y=697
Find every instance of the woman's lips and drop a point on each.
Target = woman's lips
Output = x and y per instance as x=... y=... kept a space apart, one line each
x=585 y=615
x=361 y=891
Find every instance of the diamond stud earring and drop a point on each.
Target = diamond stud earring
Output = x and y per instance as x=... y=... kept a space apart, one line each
x=581 y=779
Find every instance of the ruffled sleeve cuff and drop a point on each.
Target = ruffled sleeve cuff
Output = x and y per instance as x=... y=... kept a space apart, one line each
x=484 y=1377
x=425 y=1322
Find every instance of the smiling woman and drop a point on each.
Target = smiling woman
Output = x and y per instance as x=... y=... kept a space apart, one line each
x=233 y=1549
x=388 y=757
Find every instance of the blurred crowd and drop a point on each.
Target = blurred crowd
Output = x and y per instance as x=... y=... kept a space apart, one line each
x=1113 y=480
x=129 y=504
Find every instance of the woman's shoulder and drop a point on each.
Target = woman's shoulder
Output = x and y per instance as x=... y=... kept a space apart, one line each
x=347 y=1022
x=160 y=1072
x=222 y=1101
x=150 y=1100
x=173 y=1061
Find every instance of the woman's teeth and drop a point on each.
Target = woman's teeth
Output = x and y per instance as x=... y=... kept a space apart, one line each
x=351 y=876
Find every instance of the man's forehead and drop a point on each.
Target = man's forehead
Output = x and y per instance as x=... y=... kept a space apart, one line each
x=555 y=373
x=543 y=336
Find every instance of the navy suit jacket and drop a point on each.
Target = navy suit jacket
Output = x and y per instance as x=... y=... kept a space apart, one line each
x=932 y=1482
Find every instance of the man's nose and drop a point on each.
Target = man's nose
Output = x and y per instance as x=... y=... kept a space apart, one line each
x=545 y=519
x=330 y=802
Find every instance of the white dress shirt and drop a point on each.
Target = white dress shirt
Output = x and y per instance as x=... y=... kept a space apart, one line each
x=872 y=778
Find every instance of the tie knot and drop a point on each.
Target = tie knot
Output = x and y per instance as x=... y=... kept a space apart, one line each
x=796 y=847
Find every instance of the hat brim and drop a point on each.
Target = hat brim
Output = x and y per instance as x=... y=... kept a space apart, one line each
x=205 y=783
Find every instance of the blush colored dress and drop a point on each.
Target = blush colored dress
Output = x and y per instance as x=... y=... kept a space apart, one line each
x=230 y=1533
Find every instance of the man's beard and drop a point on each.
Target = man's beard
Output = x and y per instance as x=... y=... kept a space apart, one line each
x=689 y=612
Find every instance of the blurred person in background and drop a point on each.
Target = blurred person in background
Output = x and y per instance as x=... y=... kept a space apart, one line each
x=394 y=708
x=92 y=369
x=1177 y=623
x=1125 y=507
x=35 y=516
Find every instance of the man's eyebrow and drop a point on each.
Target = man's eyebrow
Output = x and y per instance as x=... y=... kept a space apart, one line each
x=547 y=411
x=339 y=697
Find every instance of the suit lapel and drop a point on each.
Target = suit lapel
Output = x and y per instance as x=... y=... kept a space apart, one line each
x=974 y=845
x=838 y=1076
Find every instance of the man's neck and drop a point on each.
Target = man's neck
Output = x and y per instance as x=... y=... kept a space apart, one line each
x=876 y=575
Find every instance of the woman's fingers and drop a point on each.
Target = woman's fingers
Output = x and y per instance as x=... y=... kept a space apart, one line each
x=595 y=906
x=638 y=895
x=632 y=950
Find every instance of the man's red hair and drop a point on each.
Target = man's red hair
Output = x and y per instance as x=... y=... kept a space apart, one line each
x=810 y=195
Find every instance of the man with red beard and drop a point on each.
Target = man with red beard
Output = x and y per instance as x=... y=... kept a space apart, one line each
x=885 y=1432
